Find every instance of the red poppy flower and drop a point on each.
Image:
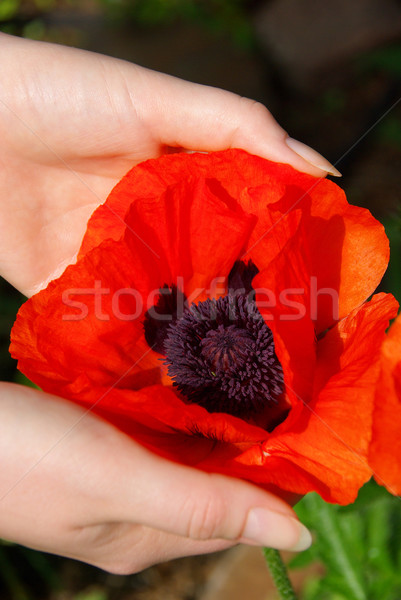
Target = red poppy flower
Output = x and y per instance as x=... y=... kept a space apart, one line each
x=216 y=314
x=385 y=449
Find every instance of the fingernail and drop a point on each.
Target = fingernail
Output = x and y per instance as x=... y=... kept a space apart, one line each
x=304 y=540
x=267 y=528
x=311 y=156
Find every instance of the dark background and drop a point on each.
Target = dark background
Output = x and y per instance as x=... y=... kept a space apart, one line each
x=330 y=72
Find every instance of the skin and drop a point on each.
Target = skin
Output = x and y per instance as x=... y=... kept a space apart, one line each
x=71 y=125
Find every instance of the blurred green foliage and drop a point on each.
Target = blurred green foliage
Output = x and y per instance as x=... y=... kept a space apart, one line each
x=92 y=594
x=39 y=572
x=390 y=130
x=333 y=100
x=223 y=17
x=8 y=9
x=359 y=546
x=393 y=274
x=387 y=59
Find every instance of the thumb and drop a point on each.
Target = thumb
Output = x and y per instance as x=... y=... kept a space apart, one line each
x=199 y=117
x=201 y=506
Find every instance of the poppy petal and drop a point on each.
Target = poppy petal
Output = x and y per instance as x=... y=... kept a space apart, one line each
x=330 y=438
x=188 y=235
x=347 y=249
x=85 y=329
x=191 y=217
x=385 y=449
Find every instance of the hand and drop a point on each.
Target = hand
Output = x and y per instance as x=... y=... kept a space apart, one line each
x=72 y=123
x=73 y=485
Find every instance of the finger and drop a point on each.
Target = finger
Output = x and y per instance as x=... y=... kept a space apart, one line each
x=201 y=506
x=98 y=475
x=55 y=463
x=131 y=548
x=200 y=117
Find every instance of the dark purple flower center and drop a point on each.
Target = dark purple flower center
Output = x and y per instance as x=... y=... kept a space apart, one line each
x=220 y=353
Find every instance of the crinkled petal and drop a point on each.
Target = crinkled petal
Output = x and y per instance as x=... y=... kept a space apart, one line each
x=188 y=236
x=346 y=248
x=85 y=329
x=325 y=448
x=160 y=412
x=232 y=171
x=87 y=326
x=330 y=437
x=282 y=296
x=385 y=449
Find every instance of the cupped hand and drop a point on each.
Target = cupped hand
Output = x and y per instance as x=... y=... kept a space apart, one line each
x=73 y=485
x=73 y=122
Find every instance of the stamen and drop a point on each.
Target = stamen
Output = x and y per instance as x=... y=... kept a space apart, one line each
x=220 y=354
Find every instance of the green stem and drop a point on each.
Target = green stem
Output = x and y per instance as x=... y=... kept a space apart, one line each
x=279 y=574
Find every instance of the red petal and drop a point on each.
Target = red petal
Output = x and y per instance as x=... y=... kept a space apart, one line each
x=160 y=408
x=350 y=253
x=188 y=235
x=85 y=329
x=385 y=450
x=191 y=216
x=329 y=440
x=325 y=447
x=232 y=170
x=346 y=248
x=282 y=296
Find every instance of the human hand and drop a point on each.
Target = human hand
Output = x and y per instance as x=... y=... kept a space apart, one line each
x=73 y=485
x=71 y=125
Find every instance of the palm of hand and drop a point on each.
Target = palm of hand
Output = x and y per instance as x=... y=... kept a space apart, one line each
x=63 y=149
x=71 y=125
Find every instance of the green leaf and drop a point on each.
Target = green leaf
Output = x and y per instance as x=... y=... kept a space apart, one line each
x=367 y=534
x=344 y=572
x=34 y=30
x=8 y=9
x=92 y=594
x=305 y=558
